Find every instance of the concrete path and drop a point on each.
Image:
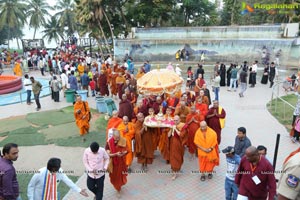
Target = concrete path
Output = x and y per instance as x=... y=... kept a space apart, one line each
x=249 y=112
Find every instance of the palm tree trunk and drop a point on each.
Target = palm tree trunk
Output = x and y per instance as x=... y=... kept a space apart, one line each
x=8 y=37
x=105 y=39
x=232 y=13
x=18 y=42
x=34 y=33
x=100 y=46
x=109 y=24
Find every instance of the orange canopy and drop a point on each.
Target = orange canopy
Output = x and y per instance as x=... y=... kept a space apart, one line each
x=159 y=81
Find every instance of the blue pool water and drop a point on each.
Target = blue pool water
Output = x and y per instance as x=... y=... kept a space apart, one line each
x=21 y=95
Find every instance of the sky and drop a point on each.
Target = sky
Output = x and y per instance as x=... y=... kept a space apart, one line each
x=28 y=32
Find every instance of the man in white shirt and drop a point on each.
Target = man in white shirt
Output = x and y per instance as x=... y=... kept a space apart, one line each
x=95 y=160
x=88 y=60
x=52 y=175
x=253 y=70
x=64 y=81
x=28 y=87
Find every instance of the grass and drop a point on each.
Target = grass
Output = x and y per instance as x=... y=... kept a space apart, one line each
x=282 y=112
x=13 y=123
x=51 y=127
x=55 y=117
x=24 y=179
x=26 y=136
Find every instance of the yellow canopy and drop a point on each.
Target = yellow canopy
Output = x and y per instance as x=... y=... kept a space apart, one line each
x=159 y=81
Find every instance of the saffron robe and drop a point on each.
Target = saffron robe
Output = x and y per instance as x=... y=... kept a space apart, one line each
x=191 y=129
x=128 y=135
x=82 y=118
x=177 y=147
x=208 y=139
x=143 y=144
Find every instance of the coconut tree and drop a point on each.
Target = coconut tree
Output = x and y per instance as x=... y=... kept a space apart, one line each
x=37 y=12
x=66 y=15
x=91 y=13
x=12 y=14
x=52 y=30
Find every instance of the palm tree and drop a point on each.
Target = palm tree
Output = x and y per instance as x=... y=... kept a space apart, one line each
x=37 y=11
x=53 y=31
x=12 y=14
x=66 y=15
x=91 y=14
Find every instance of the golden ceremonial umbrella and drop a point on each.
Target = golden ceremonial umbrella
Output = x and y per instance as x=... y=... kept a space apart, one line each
x=159 y=81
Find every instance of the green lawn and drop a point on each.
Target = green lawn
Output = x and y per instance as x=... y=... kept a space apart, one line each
x=24 y=179
x=282 y=112
x=51 y=127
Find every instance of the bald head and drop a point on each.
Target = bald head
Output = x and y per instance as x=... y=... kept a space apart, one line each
x=182 y=103
x=193 y=109
x=125 y=120
x=252 y=154
x=176 y=119
x=140 y=117
x=203 y=125
x=115 y=113
x=116 y=135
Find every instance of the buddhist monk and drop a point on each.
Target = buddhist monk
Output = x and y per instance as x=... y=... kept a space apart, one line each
x=125 y=108
x=193 y=124
x=103 y=84
x=144 y=151
x=17 y=69
x=189 y=95
x=208 y=152
x=157 y=105
x=172 y=102
x=201 y=107
x=126 y=129
x=120 y=81
x=198 y=84
x=80 y=68
x=113 y=122
x=215 y=118
x=163 y=145
x=140 y=107
x=182 y=111
x=116 y=149
x=176 y=135
x=154 y=131
x=82 y=116
x=203 y=97
x=113 y=84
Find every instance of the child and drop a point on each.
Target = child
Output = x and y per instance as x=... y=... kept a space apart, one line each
x=92 y=86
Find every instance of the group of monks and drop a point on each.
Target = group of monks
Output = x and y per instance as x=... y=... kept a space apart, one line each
x=194 y=125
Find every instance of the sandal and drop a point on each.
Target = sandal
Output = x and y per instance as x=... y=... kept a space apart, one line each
x=202 y=178
x=209 y=176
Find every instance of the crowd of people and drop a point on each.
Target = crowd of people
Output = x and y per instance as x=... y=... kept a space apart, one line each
x=195 y=122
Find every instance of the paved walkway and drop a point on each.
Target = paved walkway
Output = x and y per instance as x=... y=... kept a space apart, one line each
x=249 y=112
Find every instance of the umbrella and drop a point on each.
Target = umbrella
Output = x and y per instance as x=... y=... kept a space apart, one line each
x=159 y=81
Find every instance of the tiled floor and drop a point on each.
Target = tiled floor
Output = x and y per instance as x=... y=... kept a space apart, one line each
x=249 y=112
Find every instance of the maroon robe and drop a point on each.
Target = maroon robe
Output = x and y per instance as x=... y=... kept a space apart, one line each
x=214 y=122
x=102 y=83
x=126 y=109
